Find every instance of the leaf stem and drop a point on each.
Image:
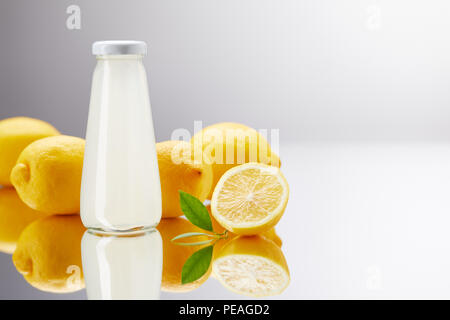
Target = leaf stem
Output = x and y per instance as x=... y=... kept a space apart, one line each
x=213 y=237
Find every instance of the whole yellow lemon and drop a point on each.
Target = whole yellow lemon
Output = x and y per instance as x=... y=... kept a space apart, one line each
x=226 y=145
x=47 y=175
x=48 y=254
x=174 y=256
x=14 y=217
x=15 y=134
x=178 y=170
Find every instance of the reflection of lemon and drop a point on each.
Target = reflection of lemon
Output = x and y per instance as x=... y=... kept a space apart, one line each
x=218 y=246
x=47 y=175
x=48 y=254
x=253 y=266
x=250 y=198
x=270 y=234
x=179 y=171
x=14 y=217
x=228 y=144
x=15 y=135
x=174 y=256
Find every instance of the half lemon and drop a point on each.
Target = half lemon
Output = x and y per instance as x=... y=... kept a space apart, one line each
x=250 y=199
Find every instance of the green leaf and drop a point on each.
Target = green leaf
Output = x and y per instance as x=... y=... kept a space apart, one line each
x=195 y=211
x=196 y=265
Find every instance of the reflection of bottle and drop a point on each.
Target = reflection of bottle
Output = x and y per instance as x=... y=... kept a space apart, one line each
x=120 y=185
x=122 y=266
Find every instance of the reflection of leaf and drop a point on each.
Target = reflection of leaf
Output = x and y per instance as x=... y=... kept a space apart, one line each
x=196 y=265
x=195 y=211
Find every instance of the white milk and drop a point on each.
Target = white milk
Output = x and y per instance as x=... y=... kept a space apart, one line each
x=122 y=267
x=120 y=186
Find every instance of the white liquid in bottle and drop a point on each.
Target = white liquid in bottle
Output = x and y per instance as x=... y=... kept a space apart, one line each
x=122 y=267
x=120 y=186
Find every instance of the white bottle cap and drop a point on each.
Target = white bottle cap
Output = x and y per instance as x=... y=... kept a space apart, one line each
x=117 y=47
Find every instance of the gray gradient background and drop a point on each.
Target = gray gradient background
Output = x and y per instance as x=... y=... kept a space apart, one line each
x=315 y=69
x=310 y=67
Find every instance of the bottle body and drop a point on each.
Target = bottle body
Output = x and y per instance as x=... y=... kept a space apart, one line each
x=120 y=185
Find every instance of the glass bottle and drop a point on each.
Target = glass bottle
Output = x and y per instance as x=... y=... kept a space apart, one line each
x=120 y=188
